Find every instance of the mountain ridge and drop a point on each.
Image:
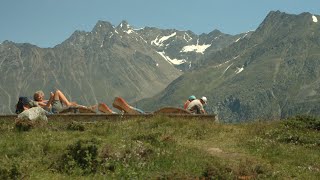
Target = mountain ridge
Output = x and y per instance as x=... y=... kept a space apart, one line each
x=271 y=74
x=95 y=66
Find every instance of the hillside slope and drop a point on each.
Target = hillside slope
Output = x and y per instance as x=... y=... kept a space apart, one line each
x=161 y=147
x=273 y=74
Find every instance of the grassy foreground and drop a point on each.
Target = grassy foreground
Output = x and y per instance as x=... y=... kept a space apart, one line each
x=161 y=148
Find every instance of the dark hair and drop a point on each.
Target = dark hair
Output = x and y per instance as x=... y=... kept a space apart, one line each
x=22 y=102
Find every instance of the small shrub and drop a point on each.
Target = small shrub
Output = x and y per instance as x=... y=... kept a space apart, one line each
x=75 y=126
x=213 y=173
x=12 y=173
x=82 y=154
x=27 y=125
x=298 y=130
x=23 y=124
x=303 y=121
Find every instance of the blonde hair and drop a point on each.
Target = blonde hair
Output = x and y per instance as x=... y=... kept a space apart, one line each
x=37 y=94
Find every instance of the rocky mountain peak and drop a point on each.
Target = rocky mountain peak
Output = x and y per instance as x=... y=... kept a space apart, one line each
x=278 y=25
x=215 y=32
x=282 y=17
x=102 y=27
x=124 y=25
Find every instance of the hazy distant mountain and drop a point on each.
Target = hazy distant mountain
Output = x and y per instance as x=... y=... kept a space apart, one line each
x=108 y=61
x=274 y=73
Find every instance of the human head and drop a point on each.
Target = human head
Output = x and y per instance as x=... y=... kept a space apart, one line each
x=38 y=95
x=191 y=98
x=23 y=104
x=203 y=100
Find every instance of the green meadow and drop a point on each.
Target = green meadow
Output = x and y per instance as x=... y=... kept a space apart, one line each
x=160 y=148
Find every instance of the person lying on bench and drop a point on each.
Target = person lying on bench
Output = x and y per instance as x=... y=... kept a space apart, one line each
x=56 y=102
x=120 y=104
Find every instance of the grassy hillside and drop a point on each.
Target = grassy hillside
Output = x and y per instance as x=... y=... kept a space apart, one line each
x=161 y=148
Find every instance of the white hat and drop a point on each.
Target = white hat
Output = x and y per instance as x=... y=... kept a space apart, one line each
x=204 y=99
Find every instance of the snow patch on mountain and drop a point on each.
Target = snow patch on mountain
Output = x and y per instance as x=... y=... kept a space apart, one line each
x=227 y=68
x=126 y=28
x=217 y=37
x=237 y=39
x=239 y=70
x=143 y=40
x=216 y=66
x=172 y=61
x=241 y=37
x=314 y=18
x=124 y=25
x=159 y=42
x=197 y=48
x=129 y=31
x=187 y=37
x=138 y=29
x=102 y=44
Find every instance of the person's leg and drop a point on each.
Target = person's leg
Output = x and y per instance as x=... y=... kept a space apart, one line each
x=105 y=109
x=198 y=110
x=59 y=96
x=122 y=105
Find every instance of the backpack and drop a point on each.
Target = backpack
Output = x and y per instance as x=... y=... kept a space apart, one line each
x=24 y=101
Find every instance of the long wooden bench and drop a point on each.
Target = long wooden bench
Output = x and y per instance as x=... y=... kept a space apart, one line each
x=99 y=117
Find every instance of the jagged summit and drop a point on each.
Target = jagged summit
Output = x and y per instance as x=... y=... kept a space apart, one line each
x=102 y=26
x=278 y=25
x=215 y=32
x=124 y=25
x=274 y=17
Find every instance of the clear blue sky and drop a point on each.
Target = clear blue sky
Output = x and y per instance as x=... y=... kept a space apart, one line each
x=46 y=23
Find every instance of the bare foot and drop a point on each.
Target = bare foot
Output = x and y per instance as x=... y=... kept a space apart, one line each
x=104 y=108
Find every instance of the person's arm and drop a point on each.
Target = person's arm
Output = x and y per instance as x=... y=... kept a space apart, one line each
x=202 y=110
x=44 y=104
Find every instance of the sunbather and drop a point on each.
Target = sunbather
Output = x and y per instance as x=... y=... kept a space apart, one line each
x=122 y=105
x=56 y=102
